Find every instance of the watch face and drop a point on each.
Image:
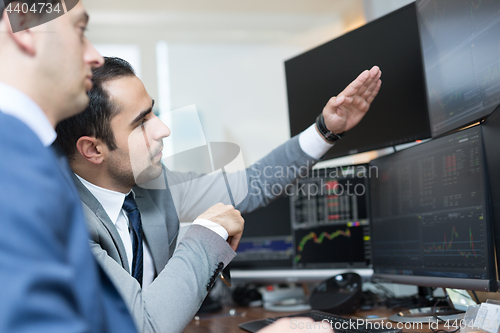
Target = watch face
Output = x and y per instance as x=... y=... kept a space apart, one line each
x=225 y=276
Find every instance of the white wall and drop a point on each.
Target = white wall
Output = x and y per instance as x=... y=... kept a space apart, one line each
x=376 y=8
x=231 y=65
x=128 y=52
x=239 y=91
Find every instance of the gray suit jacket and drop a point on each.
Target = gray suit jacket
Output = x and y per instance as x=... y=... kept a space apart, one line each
x=179 y=288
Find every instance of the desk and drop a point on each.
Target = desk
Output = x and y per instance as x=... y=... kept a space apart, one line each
x=221 y=322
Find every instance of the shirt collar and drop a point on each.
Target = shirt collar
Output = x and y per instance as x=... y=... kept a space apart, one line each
x=17 y=104
x=111 y=201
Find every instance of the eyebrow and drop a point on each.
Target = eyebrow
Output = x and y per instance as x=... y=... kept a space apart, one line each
x=143 y=113
x=82 y=17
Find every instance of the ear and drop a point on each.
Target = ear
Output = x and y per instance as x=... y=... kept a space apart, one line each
x=20 y=22
x=91 y=149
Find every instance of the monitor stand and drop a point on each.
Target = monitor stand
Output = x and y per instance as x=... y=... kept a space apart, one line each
x=427 y=313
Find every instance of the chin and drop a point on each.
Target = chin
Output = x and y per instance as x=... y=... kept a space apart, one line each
x=151 y=173
x=80 y=104
x=75 y=107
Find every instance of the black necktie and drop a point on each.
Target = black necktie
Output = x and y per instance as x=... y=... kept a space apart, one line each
x=134 y=218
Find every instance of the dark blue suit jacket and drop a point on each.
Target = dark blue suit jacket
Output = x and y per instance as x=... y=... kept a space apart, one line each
x=49 y=279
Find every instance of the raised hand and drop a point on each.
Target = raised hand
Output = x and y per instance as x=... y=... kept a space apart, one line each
x=346 y=110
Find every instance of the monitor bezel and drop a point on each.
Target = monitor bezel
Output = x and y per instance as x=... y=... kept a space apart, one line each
x=369 y=145
x=294 y=275
x=488 y=284
x=467 y=121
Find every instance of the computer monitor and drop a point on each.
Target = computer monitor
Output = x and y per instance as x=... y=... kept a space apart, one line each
x=398 y=114
x=330 y=219
x=320 y=228
x=491 y=138
x=461 y=52
x=267 y=238
x=431 y=223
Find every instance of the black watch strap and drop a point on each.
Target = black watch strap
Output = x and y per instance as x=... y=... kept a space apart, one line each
x=327 y=134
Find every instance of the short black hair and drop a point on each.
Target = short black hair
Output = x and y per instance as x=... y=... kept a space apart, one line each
x=95 y=121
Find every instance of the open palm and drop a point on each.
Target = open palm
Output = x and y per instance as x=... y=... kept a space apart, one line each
x=346 y=110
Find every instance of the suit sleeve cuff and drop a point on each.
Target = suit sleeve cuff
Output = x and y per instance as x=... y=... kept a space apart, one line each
x=312 y=143
x=217 y=228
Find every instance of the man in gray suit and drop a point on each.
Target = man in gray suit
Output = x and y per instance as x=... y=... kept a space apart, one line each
x=100 y=144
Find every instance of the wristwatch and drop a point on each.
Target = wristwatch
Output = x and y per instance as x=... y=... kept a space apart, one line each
x=327 y=134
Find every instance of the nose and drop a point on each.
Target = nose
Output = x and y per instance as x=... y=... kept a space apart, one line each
x=160 y=130
x=93 y=57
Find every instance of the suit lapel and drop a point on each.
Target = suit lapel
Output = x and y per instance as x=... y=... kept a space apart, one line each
x=154 y=228
x=90 y=201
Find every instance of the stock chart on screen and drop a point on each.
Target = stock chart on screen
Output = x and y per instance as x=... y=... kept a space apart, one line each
x=330 y=224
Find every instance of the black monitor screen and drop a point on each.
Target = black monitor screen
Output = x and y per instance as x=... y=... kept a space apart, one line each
x=430 y=214
x=330 y=224
x=491 y=139
x=399 y=112
x=267 y=238
x=461 y=51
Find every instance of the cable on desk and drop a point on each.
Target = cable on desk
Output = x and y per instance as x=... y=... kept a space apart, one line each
x=434 y=314
x=475 y=296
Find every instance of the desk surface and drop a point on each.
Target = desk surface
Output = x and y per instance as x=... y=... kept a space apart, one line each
x=222 y=322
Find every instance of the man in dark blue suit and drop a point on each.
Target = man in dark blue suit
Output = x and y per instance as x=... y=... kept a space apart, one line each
x=49 y=279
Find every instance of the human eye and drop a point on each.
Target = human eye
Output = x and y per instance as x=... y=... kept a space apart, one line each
x=147 y=117
x=82 y=30
x=142 y=122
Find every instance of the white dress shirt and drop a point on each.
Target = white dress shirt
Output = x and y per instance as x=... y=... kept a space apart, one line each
x=112 y=202
x=17 y=104
x=312 y=143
